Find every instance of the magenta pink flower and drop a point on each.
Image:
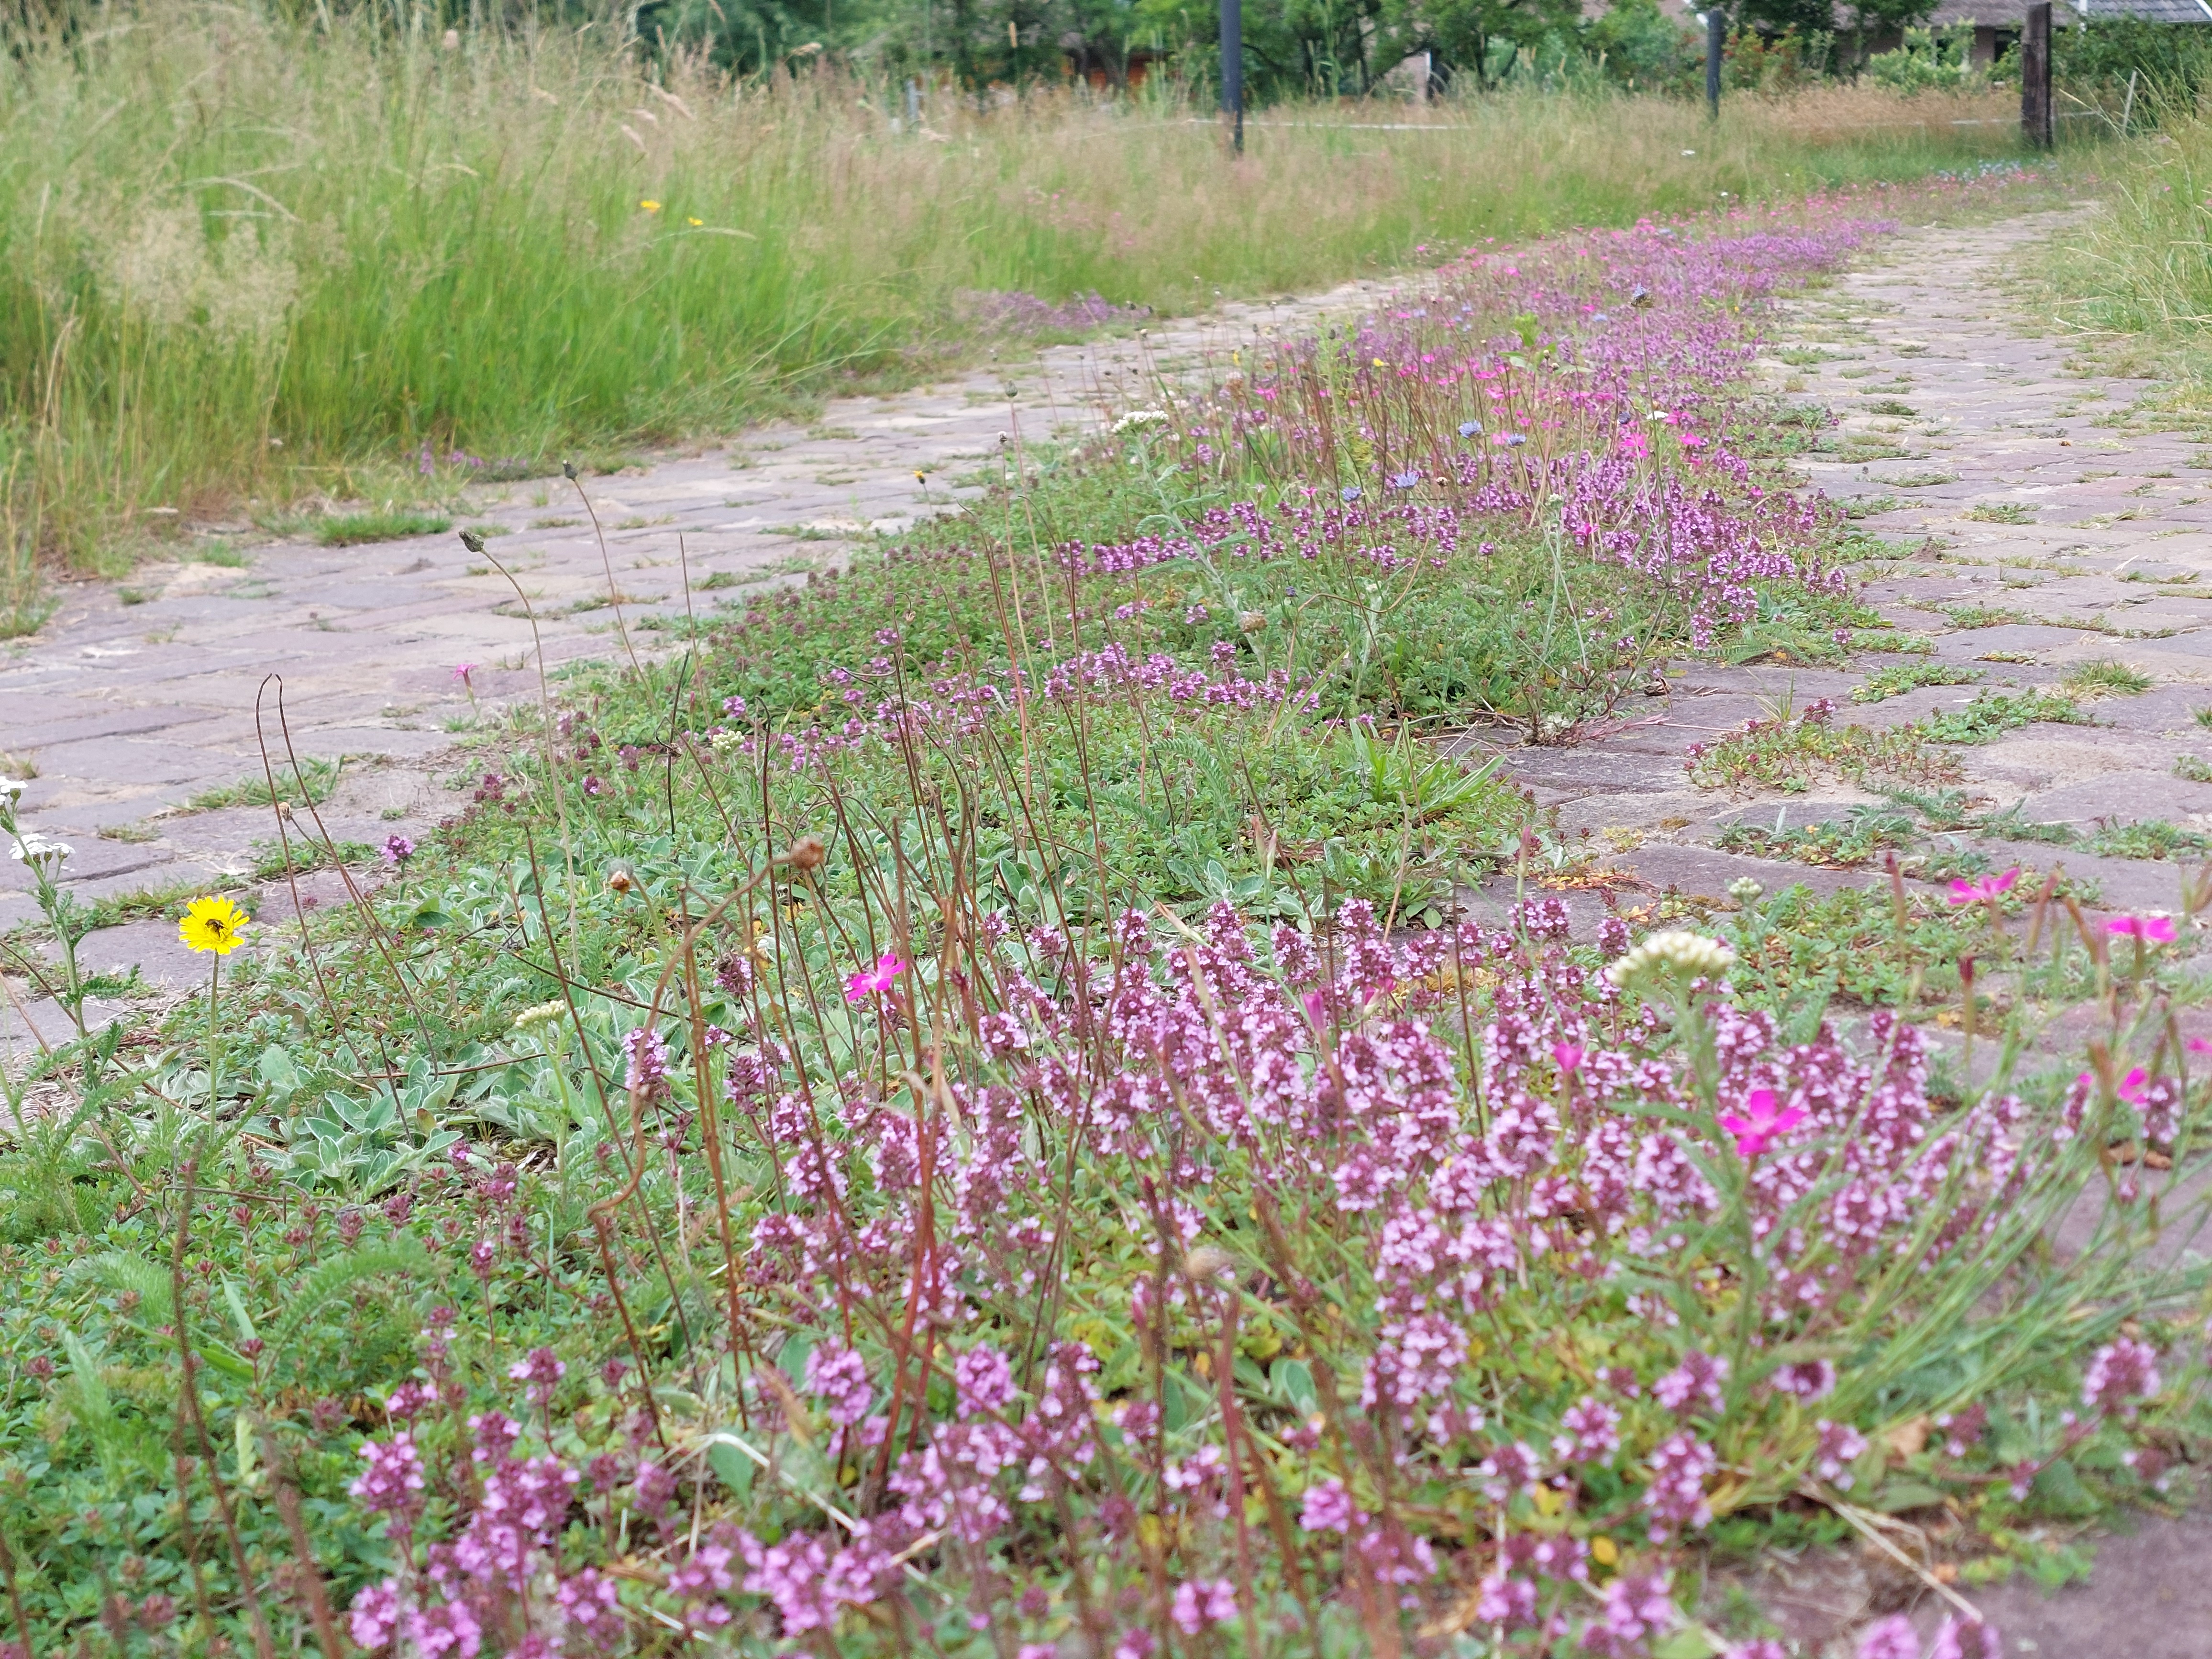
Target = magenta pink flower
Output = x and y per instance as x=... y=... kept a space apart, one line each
x=2200 y=1045
x=1989 y=887
x=881 y=977
x=1759 y=1122
x=1569 y=1055
x=2131 y=1086
x=2151 y=930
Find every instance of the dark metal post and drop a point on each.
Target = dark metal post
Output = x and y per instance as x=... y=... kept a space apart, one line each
x=1716 y=37
x=1232 y=69
x=2035 y=76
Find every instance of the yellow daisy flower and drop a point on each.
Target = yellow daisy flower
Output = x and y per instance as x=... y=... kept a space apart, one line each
x=213 y=924
x=650 y=206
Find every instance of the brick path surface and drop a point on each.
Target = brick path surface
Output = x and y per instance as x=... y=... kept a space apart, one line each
x=1920 y=352
x=2004 y=480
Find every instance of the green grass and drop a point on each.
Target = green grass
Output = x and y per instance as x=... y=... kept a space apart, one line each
x=197 y=303
x=2001 y=513
x=1790 y=755
x=310 y=786
x=1993 y=713
x=1900 y=677
x=1843 y=844
x=351 y=528
x=2105 y=677
x=2151 y=838
x=138 y=904
x=2013 y=824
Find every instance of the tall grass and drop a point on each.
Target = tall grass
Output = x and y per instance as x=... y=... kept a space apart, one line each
x=240 y=258
x=2137 y=275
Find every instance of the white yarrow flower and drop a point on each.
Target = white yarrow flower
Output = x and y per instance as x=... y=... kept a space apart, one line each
x=1137 y=418
x=11 y=791
x=32 y=848
x=1675 y=953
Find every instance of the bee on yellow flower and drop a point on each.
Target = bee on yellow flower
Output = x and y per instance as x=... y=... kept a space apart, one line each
x=213 y=924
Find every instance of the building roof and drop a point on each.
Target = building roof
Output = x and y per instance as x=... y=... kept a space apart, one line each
x=2149 y=11
x=2013 y=14
x=2001 y=14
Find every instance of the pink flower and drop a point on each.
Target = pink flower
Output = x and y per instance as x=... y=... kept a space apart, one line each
x=1569 y=1055
x=881 y=977
x=462 y=670
x=2151 y=930
x=1327 y=1508
x=1199 y=1603
x=2131 y=1088
x=2200 y=1045
x=1989 y=887
x=1759 y=1122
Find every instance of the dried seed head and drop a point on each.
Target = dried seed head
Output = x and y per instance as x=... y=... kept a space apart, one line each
x=1251 y=621
x=1210 y=1262
x=621 y=878
x=803 y=854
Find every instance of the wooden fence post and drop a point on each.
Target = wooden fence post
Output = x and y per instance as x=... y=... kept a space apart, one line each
x=1232 y=70
x=2035 y=76
x=1716 y=37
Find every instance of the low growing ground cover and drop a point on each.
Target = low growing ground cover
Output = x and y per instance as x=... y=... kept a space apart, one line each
x=957 y=1109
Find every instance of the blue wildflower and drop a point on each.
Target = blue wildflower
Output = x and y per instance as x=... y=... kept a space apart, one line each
x=1351 y=492
x=1470 y=429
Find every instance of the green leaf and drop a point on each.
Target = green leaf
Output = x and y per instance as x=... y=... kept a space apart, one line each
x=2059 y=1490
x=731 y=1465
x=1686 y=1643
x=1898 y=1496
x=120 y=1271
x=1293 y=1381
x=245 y=1320
x=324 y=1284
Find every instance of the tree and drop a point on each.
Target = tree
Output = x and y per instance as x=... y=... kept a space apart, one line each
x=1465 y=35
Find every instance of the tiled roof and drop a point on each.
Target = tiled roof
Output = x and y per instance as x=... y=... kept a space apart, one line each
x=2013 y=14
x=2003 y=14
x=2150 y=11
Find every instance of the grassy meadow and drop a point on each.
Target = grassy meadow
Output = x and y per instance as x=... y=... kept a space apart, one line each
x=240 y=260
